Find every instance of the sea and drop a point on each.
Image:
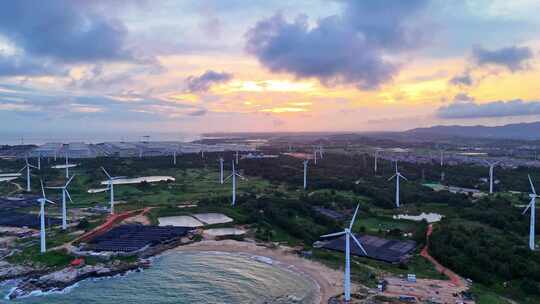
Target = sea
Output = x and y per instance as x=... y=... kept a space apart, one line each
x=190 y=277
x=94 y=138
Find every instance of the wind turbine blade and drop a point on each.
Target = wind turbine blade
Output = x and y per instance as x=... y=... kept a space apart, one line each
x=68 y=195
x=106 y=173
x=392 y=177
x=333 y=234
x=22 y=169
x=69 y=181
x=226 y=178
x=358 y=243
x=241 y=176
x=42 y=188
x=402 y=177
x=532 y=186
x=528 y=206
x=354 y=216
x=50 y=202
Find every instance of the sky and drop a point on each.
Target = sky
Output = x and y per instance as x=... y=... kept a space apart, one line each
x=226 y=66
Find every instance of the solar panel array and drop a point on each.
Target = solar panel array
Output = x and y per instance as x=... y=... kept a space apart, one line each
x=14 y=203
x=15 y=219
x=391 y=251
x=129 y=238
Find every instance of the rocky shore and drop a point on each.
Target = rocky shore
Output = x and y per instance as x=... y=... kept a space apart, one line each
x=61 y=279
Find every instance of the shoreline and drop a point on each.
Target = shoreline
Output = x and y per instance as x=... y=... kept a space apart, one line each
x=328 y=281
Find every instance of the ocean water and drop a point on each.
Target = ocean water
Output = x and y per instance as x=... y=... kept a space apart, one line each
x=190 y=277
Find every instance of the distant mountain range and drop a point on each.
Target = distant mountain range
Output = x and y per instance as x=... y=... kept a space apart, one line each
x=519 y=131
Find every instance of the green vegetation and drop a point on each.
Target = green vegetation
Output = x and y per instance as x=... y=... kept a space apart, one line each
x=482 y=239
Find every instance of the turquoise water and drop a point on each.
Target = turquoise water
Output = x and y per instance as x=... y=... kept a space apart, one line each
x=191 y=277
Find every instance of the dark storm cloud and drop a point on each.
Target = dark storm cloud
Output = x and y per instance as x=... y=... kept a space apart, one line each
x=205 y=81
x=464 y=79
x=72 y=31
x=467 y=109
x=513 y=58
x=349 y=48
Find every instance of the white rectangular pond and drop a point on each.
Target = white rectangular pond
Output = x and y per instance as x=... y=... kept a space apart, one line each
x=179 y=221
x=213 y=218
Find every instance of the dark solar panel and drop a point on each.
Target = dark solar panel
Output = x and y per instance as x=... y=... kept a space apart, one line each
x=129 y=238
x=15 y=219
x=391 y=251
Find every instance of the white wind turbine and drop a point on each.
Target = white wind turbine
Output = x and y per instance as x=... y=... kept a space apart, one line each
x=42 y=201
x=442 y=158
x=397 y=176
x=65 y=193
x=321 y=151
x=39 y=161
x=110 y=182
x=234 y=175
x=67 y=165
x=305 y=173
x=532 y=206
x=221 y=170
x=174 y=157
x=348 y=235
x=491 y=166
x=314 y=156
x=237 y=157
x=28 y=166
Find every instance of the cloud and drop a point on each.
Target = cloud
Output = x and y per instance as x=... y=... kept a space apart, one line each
x=513 y=58
x=461 y=97
x=205 y=81
x=464 y=79
x=13 y=65
x=349 y=48
x=463 y=109
x=73 y=31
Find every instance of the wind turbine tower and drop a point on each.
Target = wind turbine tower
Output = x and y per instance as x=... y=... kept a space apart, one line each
x=65 y=193
x=28 y=166
x=491 y=167
x=233 y=176
x=221 y=170
x=305 y=173
x=397 y=176
x=376 y=160
x=315 y=156
x=348 y=235
x=110 y=182
x=237 y=157
x=532 y=206
x=42 y=201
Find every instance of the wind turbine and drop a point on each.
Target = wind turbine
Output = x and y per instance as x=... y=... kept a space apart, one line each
x=65 y=193
x=348 y=234
x=321 y=151
x=491 y=166
x=442 y=158
x=42 y=201
x=110 y=180
x=221 y=170
x=305 y=173
x=376 y=160
x=315 y=156
x=174 y=157
x=39 y=161
x=237 y=157
x=67 y=165
x=27 y=167
x=532 y=206
x=397 y=176
x=234 y=175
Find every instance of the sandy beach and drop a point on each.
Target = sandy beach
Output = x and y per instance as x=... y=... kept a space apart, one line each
x=329 y=281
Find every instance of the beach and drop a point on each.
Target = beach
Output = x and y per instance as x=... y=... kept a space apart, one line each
x=329 y=281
